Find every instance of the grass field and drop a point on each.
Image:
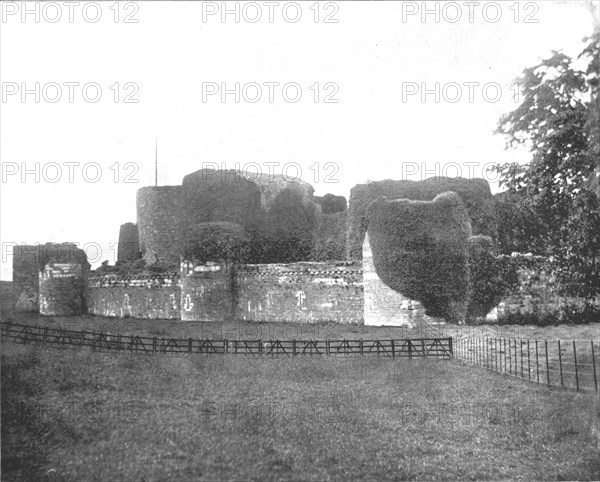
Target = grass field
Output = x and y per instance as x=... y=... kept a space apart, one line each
x=79 y=415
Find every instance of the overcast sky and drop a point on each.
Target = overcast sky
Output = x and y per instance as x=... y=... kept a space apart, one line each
x=352 y=108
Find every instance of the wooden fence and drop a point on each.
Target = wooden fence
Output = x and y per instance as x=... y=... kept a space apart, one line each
x=568 y=364
x=58 y=338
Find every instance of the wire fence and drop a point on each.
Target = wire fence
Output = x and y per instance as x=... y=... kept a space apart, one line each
x=569 y=364
x=97 y=341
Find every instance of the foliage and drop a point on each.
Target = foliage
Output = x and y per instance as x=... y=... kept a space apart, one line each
x=565 y=315
x=331 y=204
x=520 y=229
x=61 y=253
x=290 y=229
x=474 y=193
x=558 y=122
x=135 y=268
x=420 y=250
x=492 y=277
x=215 y=241
x=331 y=237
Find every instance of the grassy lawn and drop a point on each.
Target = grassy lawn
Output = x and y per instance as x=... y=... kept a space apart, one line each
x=78 y=415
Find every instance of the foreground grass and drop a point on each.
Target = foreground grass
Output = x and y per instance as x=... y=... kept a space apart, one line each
x=78 y=415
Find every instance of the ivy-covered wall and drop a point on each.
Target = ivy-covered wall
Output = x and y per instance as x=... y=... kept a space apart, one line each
x=475 y=194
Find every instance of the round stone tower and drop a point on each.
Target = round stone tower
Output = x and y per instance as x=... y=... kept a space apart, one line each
x=62 y=289
x=159 y=216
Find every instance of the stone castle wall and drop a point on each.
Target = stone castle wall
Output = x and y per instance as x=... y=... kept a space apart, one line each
x=152 y=297
x=207 y=292
x=62 y=289
x=26 y=273
x=300 y=292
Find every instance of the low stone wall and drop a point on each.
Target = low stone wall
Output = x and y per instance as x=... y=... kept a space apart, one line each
x=152 y=297
x=207 y=292
x=300 y=292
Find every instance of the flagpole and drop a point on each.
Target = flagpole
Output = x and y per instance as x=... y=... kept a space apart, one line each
x=156 y=160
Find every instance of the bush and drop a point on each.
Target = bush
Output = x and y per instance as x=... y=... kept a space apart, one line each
x=492 y=277
x=216 y=241
x=420 y=249
x=290 y=228
x=565 y=315
x=474 y=193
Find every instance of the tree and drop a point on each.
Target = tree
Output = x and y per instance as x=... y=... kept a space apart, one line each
x=558 y=122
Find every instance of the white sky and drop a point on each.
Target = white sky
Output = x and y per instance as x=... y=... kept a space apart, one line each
x=371 y=54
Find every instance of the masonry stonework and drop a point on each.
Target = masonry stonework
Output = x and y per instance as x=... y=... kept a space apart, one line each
x=129 y=243
x=62 y=289
x=151 y=297
x=26 y=272
x=207 y=292
x=158 y=218
x=300 y=292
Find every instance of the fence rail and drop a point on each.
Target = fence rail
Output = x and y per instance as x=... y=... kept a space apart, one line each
x=106 y=342
x=569 y=364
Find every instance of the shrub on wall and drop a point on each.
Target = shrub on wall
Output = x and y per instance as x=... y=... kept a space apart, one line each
x=290 y=228
x=420 y=249
x=330 y=241
x=474 y=193
x=492 y=277
x=62 y=253
x=216 y=241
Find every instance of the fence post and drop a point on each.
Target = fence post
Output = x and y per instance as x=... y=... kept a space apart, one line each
x=504 y=351
x=190 y=345
x=409 y=349
x=449 y=345
x=225 y=345
x=260 y=347
x=528 y=362
x=327 y=347
x=537 y=362
x=294 y=347
x=394 y=349
x=521 y=351
x=360 y=343
x=575 y=358
x=486 y=351
x=547 y=364
x=154 y=345
x=594 y=365
x=560 y=365
x=496 y=353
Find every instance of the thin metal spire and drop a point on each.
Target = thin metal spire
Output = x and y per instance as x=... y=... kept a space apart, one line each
x=156 y=160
